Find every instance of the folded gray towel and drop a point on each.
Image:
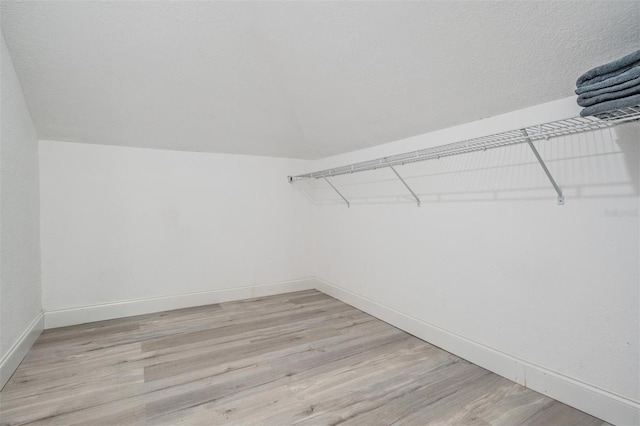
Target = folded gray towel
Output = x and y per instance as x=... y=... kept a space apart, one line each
x=635 y=90
x=614 y=92
x=610 y=69
x=599 y=109
x=633 y=73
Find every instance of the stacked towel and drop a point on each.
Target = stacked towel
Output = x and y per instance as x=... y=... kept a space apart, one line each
x=610 y=86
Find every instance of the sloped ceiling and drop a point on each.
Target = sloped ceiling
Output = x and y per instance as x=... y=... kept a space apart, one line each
x=298 y=79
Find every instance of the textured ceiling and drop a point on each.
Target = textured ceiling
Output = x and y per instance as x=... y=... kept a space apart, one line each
x=298 y=79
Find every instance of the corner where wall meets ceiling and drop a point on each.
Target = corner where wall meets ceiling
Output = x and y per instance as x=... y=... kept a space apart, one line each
x=298 y=79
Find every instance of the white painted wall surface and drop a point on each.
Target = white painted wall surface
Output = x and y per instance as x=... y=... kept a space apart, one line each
x=20 y=289
x=490 y=256
x=121 y=224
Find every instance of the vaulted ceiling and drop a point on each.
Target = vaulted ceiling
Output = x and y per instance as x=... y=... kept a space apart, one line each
x=298 y=79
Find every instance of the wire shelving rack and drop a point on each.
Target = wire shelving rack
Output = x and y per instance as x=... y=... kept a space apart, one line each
x=527 y=135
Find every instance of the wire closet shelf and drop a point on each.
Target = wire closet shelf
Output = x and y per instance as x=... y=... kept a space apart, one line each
x=527 y=135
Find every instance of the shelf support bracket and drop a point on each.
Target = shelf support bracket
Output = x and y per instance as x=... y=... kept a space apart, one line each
x=405 y=184
x=338 y=192
x=560 y=197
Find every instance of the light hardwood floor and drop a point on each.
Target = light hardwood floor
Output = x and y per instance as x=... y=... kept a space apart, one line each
x=302 y=358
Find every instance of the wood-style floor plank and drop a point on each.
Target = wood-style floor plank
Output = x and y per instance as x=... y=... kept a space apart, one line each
x=298 y=358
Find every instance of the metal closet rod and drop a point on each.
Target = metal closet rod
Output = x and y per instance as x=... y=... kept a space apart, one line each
x=527 y=135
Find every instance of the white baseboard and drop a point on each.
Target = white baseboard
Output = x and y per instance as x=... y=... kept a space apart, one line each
x=597 y=402
x=10 y=362
x=127 y=308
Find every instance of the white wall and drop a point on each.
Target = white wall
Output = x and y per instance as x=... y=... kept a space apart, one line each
x=121 y=224
x=490 y=256
x=20 y=289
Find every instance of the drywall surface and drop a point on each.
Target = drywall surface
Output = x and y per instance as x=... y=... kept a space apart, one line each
x=20 y=289
x=302 y=79
x=121 y=224
x=489 y=255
